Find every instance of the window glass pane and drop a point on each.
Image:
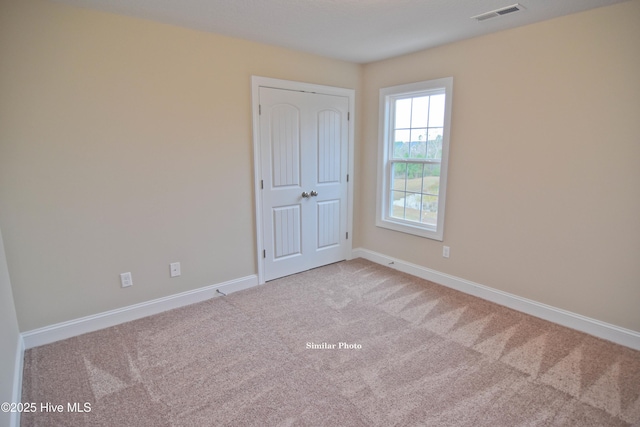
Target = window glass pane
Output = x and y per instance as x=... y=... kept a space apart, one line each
x=429 y=210
x=397 y=204
x=412 y=203
x=401 y=144
x=406 y=206
x=418 y=148
x=414 y=177
x=431 y=180
x=436 y=111
x=403 y=113
x=434 y=144
x=420 y=112
x=399 y=176
x=403 y=135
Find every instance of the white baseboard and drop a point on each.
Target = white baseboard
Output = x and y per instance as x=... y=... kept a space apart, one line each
x=14 y=420
x=613 y=333
x=95 y=322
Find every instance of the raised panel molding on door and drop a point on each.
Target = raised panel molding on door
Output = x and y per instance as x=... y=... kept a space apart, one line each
x=303 y=148
x=285 y=147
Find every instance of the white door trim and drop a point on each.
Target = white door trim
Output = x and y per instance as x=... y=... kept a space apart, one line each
x=256 y=83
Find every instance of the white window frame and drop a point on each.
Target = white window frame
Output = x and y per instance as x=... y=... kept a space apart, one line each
x=385 y=134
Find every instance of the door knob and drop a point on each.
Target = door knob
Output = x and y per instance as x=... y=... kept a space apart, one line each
x=313 y=193
x=305 y=195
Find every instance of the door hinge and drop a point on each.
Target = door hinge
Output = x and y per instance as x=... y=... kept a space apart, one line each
x=348 y=115
x=264 y=253
x=259 y=109
x=347 y=177
x=262 y=184
x=347 y=235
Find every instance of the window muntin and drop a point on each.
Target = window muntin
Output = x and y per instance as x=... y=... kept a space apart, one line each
x=414 y=153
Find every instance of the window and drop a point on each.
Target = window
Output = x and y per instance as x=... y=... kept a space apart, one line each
x=414 y=151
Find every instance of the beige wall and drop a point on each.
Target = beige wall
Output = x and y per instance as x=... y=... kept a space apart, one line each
x=544 y=177
x=9 y=336
x=126 y=145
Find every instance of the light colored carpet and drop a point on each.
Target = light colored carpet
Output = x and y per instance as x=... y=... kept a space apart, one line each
x=429 y=356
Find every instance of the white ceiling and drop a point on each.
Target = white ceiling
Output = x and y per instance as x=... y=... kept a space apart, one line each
x=353 y=30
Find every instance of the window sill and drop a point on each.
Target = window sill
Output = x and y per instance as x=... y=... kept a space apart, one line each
x=404 y=227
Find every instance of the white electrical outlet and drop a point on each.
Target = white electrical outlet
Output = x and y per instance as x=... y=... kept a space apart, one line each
x=126 y=280
x=174 y=269
x=445 y=251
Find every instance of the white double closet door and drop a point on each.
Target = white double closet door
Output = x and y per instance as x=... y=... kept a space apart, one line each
x=304 y=150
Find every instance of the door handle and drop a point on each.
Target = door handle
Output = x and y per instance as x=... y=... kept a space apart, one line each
x=313 y=193
x=305 y=195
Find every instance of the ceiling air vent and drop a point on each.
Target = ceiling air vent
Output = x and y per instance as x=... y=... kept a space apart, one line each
x=498 y=12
